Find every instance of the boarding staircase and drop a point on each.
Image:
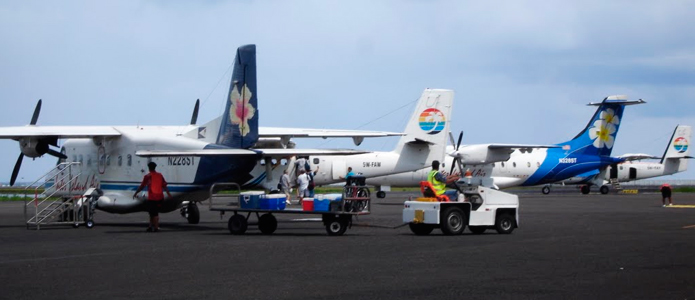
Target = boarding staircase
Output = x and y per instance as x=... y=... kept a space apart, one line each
x=62 y=200
x=615 y=184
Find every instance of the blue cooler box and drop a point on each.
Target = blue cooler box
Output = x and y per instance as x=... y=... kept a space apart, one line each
x=321 y=204
x=250 y=200
x=273 y=202
x=335 y=201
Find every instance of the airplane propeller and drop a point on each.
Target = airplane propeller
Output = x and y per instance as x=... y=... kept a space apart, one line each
x=458 y=144
x=194 y=117
x=18 y=164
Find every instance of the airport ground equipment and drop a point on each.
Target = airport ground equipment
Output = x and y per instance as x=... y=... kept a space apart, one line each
x=477 y=207
x=337 y=217
x=62 y=202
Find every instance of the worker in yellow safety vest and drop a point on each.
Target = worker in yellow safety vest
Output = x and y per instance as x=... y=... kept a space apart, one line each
x=439 y=181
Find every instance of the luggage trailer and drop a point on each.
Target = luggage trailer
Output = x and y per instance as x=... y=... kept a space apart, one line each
x=337 y=218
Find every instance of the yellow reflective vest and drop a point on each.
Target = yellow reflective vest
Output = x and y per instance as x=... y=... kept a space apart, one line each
x=439 y=187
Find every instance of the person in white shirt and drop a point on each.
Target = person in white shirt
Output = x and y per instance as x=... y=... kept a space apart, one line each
x=303 y=182
x=285 y=185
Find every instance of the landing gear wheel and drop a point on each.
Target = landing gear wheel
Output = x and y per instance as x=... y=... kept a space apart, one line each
x=505 y=224
x=267 y=224
x=76 y=225
x=585 y=189
x=604 y=189
x=477 y=229
x=381 y=194
x=192 y=213
x=420 y=229
x=545 y=190
x=237 y=224
x=89 y=224
x=337 y=225
x=453 y=221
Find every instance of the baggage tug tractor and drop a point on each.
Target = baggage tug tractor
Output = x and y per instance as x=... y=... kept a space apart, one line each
x=478 y=207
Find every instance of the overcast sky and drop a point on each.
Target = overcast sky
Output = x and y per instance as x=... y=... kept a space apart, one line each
x=523 y=71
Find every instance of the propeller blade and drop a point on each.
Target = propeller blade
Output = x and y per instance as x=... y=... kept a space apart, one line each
x=57 y=154
x=194 y=117
x=453 y=164
x=459 y=142
x=15 y=171
x=451 y=137
x=37 y=110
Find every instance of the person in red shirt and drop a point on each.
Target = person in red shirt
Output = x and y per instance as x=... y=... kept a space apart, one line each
x=155 y=186
x=665 y=193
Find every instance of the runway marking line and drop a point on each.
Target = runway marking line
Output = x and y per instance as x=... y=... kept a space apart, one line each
x=681 y=206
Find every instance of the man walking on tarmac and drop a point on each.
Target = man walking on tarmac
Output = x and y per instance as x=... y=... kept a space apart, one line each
x=439 y=181
x=155 y=186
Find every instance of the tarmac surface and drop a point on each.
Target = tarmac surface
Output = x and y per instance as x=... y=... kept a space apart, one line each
x=568 y=246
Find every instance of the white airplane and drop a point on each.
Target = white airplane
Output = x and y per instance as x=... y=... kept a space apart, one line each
x=424 y=141
x=191 y=157
x=674 y=160
x=508 y=165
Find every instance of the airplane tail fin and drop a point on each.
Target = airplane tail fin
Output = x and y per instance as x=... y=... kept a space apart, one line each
x=239 y=123
x=428 y=127
x=676 y=154
x=598 y=137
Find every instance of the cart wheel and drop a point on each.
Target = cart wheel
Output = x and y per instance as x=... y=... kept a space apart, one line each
x=267 y=223
x=89 y=224
x=545 y=190
x=453 y=221
x=237 y=224
x=477 y=229
x=604 y=189
x=337 y=226
x=585 y=189
x=192 y=213
x=505 y=224
x=381 y=194
x=75 y=225
x=420 y=229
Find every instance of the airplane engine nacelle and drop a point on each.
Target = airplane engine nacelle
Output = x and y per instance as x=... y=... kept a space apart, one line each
x=33 y=147
x=481 y=154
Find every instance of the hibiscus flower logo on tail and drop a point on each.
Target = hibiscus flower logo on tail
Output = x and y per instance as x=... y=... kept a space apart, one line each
x=241 y=111
x=604 y=129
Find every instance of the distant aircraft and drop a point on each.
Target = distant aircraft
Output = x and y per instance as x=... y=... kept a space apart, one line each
x=674 y=160
x=424 y=140
x=191 y=157
x=508 y=165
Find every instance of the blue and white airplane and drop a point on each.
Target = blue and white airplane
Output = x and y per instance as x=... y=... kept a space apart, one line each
x=674 y=160
x=191 y=157
x=509 y=165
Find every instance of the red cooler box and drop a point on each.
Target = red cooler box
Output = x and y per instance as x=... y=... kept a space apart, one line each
x=308 y=204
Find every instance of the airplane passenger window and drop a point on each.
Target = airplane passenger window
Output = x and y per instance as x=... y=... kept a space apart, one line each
x=120 y=160
x=502 y=164
x=316 y=160
x=130 y=160
x=81 y=158
x=621 y=168
x=273 y=161
x=283 y=161
x=528 y=164
x=108 y=160
x=514 y=164
x=261 y=162
x=538 y=164
x=89 y=160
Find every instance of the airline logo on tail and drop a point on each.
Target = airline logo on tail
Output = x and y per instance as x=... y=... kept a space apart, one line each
x=432 y=121
x=604 y=129
x=680 y=145
x=241 y=110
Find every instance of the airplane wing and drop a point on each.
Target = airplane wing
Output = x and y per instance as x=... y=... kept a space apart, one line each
x=262 y=152
x=637 y=156
x=519 y=146
x=58 y=132
x=491 y=153
x=285 y=134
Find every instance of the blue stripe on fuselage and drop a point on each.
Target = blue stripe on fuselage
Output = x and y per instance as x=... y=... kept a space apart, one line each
x=551 y=170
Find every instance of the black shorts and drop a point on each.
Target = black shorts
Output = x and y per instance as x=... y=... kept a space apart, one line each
x=666 y=194
x=153 y=207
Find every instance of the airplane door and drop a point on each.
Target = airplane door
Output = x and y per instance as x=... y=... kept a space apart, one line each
x=633 y=173
x=338 y=169
x=614 y=171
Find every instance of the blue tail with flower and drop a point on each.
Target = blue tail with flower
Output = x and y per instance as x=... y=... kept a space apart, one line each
x=599 y=135
x=239 y=123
